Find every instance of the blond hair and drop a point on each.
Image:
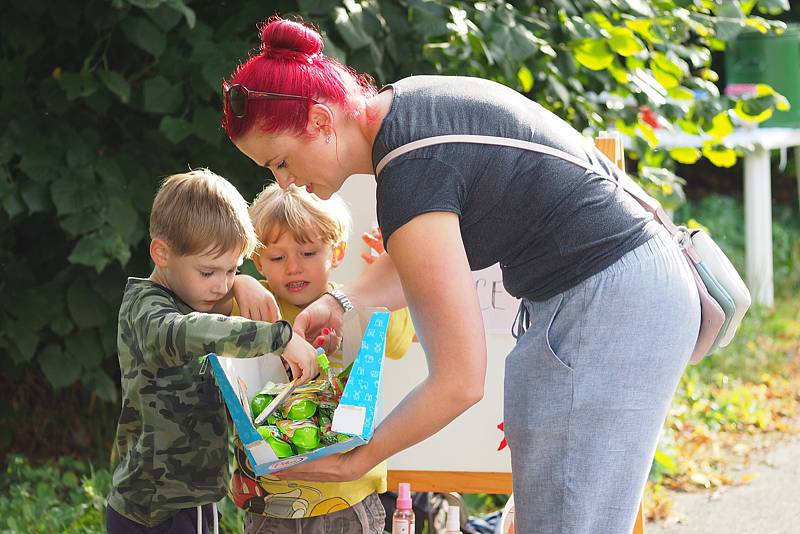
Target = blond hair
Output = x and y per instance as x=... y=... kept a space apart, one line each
x=304 y=215
x=200 y=211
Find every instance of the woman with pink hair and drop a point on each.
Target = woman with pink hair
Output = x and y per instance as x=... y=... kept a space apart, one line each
x=609 y=314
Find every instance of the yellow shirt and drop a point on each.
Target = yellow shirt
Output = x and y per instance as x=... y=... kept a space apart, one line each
x=265 y=495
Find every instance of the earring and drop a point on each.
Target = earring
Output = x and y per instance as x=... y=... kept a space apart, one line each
x=328 y=138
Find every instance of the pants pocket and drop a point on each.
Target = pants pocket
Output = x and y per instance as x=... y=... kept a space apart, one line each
x=559 y=335
x=371 y=514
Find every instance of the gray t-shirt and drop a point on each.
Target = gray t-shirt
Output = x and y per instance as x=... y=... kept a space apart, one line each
x=549 y=223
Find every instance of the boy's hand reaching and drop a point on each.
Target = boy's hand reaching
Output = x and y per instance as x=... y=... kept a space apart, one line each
x=254 y=301
x=374 y=240
x=302 y=359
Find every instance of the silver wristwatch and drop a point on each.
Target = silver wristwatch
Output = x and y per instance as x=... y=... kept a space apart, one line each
x=342 y=299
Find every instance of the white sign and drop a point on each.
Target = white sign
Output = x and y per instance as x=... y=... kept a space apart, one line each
x=470 y=442
x=498 y=307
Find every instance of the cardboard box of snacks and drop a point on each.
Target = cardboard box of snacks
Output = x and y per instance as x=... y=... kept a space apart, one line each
x=346 y=425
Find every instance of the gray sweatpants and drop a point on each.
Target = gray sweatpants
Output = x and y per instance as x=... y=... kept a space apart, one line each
x=587 y=389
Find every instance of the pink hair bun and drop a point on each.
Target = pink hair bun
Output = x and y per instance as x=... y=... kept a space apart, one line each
x=286 y=39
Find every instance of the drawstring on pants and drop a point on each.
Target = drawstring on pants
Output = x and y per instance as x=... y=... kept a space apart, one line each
x=200 y=518
x=521 y=322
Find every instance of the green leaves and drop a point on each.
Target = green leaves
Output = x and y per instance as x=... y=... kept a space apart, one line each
x=77 y=84
x=187 y=12
x=62 y=495
x=85 y=305
x=99 y=382
x=89 y=126
x=624 y=42
x=117 y=84
x=121 y=216
x=145 y=35
x=59 y=367
x=68 y=195
x=350 y=23
x=667 y=72
x=525 y=78
x=428 y=18
x=98 y=249
x=161 y=96
x=758 y=107
x=721 y=126
x=719 y=154
x=24 y=340
x=175 y=130
x=317 y=7
x=205 y=125
x=685 y=155
x=594 y=54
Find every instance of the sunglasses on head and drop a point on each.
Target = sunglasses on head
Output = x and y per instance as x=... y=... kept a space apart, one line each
x=237 y=95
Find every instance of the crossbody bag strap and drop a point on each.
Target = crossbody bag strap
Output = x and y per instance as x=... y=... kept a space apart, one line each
x=632 y=188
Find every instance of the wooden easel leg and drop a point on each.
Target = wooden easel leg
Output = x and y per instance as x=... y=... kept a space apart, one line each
x=638 y=527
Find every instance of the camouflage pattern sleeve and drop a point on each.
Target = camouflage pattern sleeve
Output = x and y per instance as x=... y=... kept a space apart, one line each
x=170 y=338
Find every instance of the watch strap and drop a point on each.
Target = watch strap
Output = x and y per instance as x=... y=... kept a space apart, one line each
x=341 y=298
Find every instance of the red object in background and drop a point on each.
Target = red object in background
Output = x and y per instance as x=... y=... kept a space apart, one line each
x=649 y=117
x=504 y=443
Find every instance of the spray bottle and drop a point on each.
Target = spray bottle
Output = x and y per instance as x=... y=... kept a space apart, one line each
x=453 y=525
x=403 y=518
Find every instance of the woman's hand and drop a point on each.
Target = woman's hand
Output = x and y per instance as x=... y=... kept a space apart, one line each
x=329 y=339
x=254 y=301
x=334 y=468
x=302 y=359
x=374 y=240
x=324 y=313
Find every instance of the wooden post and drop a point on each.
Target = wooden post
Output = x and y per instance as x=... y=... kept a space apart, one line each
x=758 y=226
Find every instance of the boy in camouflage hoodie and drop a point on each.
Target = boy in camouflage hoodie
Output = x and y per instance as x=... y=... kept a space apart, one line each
x=172 y=435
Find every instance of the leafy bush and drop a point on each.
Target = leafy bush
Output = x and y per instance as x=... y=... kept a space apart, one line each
x=66 y=496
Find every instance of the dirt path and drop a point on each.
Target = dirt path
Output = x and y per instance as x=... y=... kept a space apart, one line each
x=768 y=505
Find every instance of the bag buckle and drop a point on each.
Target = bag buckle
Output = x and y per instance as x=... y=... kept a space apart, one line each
x=683 y=237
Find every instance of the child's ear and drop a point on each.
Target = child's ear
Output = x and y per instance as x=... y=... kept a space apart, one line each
x=338 y=253
x=159 y=252
x=256 y=257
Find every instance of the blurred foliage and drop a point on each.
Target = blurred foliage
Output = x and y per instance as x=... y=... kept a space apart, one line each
x=64 y=496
